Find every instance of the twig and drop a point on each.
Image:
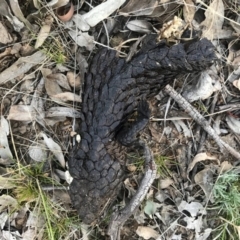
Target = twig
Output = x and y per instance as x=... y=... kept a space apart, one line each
x=200 y=120
x=120 y=217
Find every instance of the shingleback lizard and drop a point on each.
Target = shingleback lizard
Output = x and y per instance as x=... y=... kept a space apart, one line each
x=112 y=91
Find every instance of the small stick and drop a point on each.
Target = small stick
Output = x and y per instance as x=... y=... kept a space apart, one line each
x=120 y=217
x=188 y=108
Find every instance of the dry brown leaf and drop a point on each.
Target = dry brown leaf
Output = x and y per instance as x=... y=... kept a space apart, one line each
x=204 y=179
x=78 y=21
x=8 y=203
x=166 y=9
x=60 y=3
x=194 y=208
x=147 y=232
x=63 y=196
x=236 y=83
x=16 y=48
x=22 y=113
x=165 y=183
x=61 y=79
x=52 y=121
x=21 y=66
x=6 y=52
x=67 y=96
x=212 y=25
x=74 y=80
x=38 y=152
x=199 y=158
x=233 y=123
x=102 y=11
x=35 y=220
x=42 y=35
x=236 y=24
x=18 y=13
x=83 y=39
x=139 y=8
x=46 y=71
x=5 y=11
x=203 y=89
x=52 y=87
x=225 y=166
x=62 y=112
x=6 y=183
x=54 y=148
x=141 y=26
x=6 y=157
x=4 y=125
x=5 y=36
x=204 y=235
x=189 y=10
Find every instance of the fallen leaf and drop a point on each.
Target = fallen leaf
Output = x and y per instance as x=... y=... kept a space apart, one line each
x=79 y=22
x=236 y=83
x=11 y=235
x=4 y=125
x=42 y=35
x=83 y=39
x=147 y=232
x=204 y=179
x=3 y=219
x=8 y=203
x=212 y=25
x=204 y=236
x=18 y=13
x=54 y=148
x=203 y=89
x=68 y=177
x=182 y=127
x=21 y=66
x=194 y=223
x=38 y=152
x=74 y=80
x=233 y=123
x=5 y=36
x=35 y=219
x=61 y=3
x=6 y=183
x=201 y=157
x=68 y=96
x=52 y=121
x=63 y=112
x=194 y=208
x=141 y=26
x=165 y=183
x=6 y=156
x=102 y=11
x=225 y=166
x=61 y=79
x=150 y=208
x=61 y=174
x=52 y=87
x=139 y=8
x=22 y=113
x=5 y=11
x=189 y=10
x=235 y=24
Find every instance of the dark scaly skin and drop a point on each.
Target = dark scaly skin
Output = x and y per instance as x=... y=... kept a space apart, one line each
x=112 y=90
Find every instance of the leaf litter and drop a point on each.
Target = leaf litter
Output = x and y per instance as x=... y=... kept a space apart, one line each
x=42 y=66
